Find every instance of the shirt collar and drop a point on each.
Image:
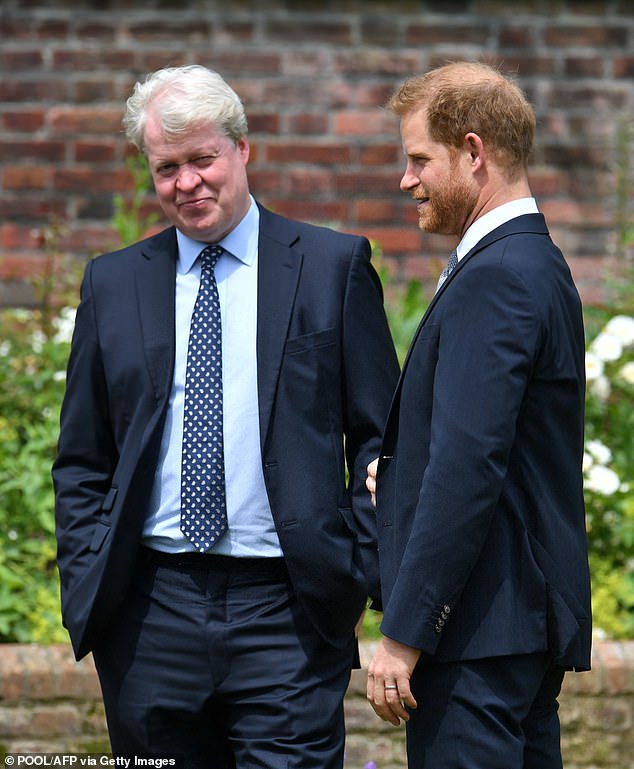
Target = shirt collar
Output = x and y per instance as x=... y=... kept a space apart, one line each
x=493 y=219
x=241 y=242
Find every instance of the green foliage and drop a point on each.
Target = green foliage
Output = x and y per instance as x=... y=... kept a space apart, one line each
x=31 y=369
x=405 y=304
x=128 y=220
x=609 y=474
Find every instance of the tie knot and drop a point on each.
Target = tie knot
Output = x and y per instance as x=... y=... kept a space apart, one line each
x=210 y=255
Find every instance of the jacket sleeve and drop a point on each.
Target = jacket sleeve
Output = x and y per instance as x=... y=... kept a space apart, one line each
x=370 y=375
x=86 y=456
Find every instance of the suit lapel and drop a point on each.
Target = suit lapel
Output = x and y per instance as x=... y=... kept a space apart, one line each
x=155 y=278
x=279 y=267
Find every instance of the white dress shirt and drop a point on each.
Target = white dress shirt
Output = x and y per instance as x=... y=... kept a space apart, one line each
x=493 y=219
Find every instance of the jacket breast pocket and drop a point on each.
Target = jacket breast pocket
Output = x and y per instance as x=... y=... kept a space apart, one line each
x=312 y=341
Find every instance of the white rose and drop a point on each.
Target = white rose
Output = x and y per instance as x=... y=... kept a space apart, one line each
x=607 y=346
x=64 y=324
x=594 y=366
x=627 y=372
x=601 y=388
x=602 y=480
x=599 y=451
x=622 y=327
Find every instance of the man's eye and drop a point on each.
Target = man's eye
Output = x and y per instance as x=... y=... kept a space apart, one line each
x=167 y=170
x=203 y=161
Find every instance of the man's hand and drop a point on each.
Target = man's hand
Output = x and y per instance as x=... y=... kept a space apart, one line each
x=370 y=481
x=389 y=674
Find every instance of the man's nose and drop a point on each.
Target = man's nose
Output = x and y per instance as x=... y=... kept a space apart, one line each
x=188 y=177
x=409 y=180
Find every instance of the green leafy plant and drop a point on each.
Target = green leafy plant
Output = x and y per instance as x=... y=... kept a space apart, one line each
x=129 y=220
x=32 y=362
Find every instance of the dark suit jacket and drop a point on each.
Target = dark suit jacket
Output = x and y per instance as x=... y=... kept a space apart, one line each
x=326 y=368
x=480 y=505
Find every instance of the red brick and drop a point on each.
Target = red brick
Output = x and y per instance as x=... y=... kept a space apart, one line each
x=589 y=36
x=156 y=30
x=98 y=30
x=381 y=154
x=16 y=236
x=80 y=60
x=95 y=152
x=27 y=177
x=52 y=151
x=52 y=28
x=44 y=90
x=573 y=212
x=546 y=181
x=327 y=213
x=395 y=239
x=307 y=124
x=623 y=66
x=95 y=90
x=516 y=36
x=384 y=212
x=379 y=182
x=265 y=181
x=234 y=30
x=525 y=65
x=317 y=30
x=363 y=122
x=26 y=120
x=427 y=34
x=263 y=123
x=309 y=182
x=51 y=721
x=14 y=722
x=18 y=61
x=320 y=154
x=297 y=63
x=422 y=267
x=148 y=60
x=375 y=62
x=20 y=209
x=80 y=179
x=279 y=94
x=585 y=66
x=239 y=62
x=73 y=120
x=376 y=29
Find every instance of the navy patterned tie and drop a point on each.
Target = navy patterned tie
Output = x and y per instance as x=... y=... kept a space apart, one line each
x=450 y=267
x=203 y=505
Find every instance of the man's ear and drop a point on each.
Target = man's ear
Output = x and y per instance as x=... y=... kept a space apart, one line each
x=476 y=150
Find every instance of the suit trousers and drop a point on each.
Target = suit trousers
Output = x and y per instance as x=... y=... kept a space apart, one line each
x=212 y=659
x=494 y=713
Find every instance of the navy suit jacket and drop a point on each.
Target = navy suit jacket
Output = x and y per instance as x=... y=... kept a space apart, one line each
x=326 y=369
x=480 y=507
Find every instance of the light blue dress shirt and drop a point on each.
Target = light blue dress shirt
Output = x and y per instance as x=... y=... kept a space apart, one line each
x=251 y=529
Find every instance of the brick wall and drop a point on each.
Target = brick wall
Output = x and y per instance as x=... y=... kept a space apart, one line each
x=49 y=703
x=313 y=75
